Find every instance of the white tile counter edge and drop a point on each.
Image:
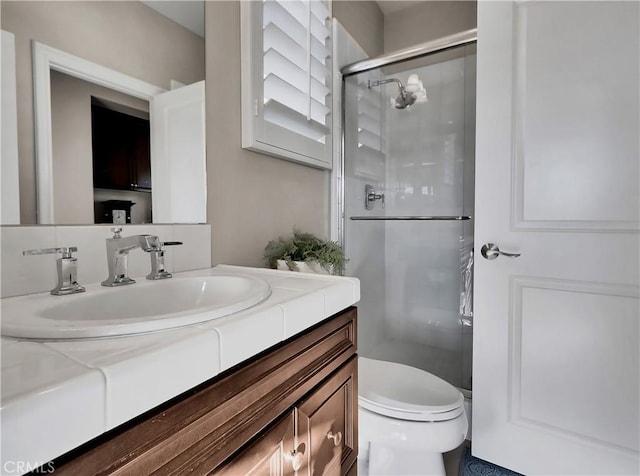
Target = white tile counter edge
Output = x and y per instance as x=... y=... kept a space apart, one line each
x=106 y=382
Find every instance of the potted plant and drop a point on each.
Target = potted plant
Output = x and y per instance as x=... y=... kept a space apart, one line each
x=305 y=252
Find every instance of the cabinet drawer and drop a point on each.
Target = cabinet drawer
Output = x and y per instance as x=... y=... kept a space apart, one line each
x=327 y=424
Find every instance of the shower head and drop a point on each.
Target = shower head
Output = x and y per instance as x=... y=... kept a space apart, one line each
x=404 y=98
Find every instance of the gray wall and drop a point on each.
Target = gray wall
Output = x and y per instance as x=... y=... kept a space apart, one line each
x=253 y=198
x=427 y=21
x=364 y=21
x=127 y=36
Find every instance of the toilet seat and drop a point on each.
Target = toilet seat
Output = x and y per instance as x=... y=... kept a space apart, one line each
x=407 y=393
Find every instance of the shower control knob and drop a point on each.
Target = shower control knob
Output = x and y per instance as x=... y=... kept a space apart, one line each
x=491 y=251
x=370 y=196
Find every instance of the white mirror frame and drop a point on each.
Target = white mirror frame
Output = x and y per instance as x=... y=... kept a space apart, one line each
x=46 y=58
x=9 y=174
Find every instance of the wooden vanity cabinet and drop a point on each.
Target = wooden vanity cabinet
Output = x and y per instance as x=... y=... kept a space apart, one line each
x=317 y=437
x=289 y=410
x=326 y=423
x=270 y=454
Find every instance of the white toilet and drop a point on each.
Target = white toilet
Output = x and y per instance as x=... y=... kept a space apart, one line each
x=407 y=419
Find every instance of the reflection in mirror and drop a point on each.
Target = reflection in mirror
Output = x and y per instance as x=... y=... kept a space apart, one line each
x=177 y=142
x=120 y=143
x=102 y=43
x=97 y=128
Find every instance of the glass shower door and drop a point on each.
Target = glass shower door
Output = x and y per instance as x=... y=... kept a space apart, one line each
x=404 y=167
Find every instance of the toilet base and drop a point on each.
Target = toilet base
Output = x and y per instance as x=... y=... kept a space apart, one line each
x=389 y=446
x=384 y=460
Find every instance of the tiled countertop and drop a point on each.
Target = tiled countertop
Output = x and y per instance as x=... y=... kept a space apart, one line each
x=58 y=395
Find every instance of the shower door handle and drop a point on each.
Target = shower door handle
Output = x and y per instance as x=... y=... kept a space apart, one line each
x=491 y=251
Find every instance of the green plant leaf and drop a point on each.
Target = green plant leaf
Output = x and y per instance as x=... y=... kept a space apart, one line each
x=304 y=246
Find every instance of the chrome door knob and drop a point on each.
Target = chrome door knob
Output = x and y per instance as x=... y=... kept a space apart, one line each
x=491 y=251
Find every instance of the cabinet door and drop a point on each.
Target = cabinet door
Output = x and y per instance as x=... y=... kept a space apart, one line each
x=327 y=424
x=271 y=454
x=140 y=155
x=120 y=143
x=111 y=168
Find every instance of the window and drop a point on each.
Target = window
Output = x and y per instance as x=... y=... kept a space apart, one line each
x=286 y=79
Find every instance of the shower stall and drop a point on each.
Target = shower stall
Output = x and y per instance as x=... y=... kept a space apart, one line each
x=407 y=203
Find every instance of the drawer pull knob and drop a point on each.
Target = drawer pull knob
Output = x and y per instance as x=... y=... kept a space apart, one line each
x=337 y=437
x=296 y=458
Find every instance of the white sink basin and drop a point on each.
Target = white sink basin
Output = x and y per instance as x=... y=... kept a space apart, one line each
x=142 y=307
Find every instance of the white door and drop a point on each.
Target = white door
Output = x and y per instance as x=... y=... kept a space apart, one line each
x=556 y=362
x=178 y=155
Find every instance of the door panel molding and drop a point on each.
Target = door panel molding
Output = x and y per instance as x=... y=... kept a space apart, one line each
x=567 y=164
x=548 y=367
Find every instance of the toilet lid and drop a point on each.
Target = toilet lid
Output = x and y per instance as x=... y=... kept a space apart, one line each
x=405 y=392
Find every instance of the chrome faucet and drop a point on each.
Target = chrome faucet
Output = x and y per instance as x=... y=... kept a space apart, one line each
x=158 y=270
x=118 y=249
x=67 y=266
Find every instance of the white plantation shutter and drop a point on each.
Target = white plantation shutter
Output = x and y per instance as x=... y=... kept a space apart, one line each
x=287 y=79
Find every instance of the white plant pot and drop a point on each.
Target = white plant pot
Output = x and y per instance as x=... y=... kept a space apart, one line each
x=282 y=265
x=312 y=267
x=304 y=267
x=319 y=269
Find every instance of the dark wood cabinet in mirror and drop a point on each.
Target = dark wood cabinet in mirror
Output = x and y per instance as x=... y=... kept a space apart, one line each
x=120 y=146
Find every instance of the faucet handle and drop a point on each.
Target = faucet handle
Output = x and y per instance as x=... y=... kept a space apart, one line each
x=158 y=271
x=65 y=250
x=116 y=230
x=67 y=267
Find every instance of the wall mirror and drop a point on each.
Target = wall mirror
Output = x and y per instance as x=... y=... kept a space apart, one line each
x=177 y=182
x=118 y=62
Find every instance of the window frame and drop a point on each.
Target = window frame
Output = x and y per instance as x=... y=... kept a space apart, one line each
x=258 y=134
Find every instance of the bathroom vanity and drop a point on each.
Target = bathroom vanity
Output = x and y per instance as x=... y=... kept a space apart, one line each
x=271 y=389
x=291 y=408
